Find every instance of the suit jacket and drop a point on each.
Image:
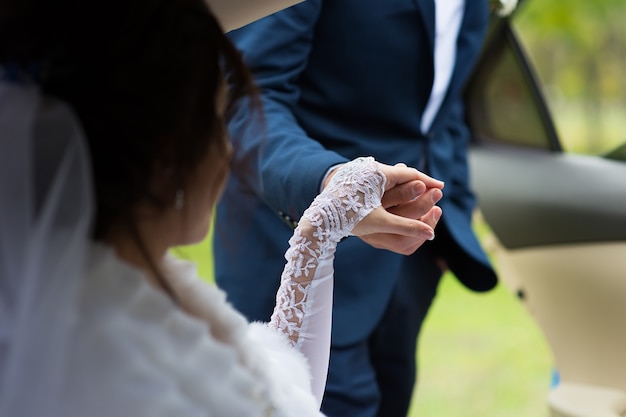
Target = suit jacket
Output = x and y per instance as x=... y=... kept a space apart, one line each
x=342 y=79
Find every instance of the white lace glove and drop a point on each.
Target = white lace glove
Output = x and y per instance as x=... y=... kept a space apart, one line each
x=303 y=309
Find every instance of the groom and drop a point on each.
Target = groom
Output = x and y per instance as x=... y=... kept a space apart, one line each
x=342 y=79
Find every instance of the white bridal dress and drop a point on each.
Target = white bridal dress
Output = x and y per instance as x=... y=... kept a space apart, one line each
x=83 y=334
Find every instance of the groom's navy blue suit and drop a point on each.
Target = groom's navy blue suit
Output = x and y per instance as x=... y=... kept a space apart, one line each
x=342 y=79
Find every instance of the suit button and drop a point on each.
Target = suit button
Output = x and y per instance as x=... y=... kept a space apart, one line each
x=290 y=222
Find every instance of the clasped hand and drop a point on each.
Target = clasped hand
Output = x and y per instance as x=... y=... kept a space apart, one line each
x=408 y=215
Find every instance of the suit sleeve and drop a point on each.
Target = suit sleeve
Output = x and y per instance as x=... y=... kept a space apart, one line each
x=273 y=154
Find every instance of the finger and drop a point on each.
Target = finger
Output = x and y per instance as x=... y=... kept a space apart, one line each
x=432 y=217
x=403 y=193
x=419 y=206
x=394 y=243
x=402 y=174
x=381 y=221
x=405 y=245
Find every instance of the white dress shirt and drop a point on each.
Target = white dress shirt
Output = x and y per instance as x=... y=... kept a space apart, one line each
x=448 y=18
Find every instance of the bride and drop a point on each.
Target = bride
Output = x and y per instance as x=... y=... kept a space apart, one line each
x=112 y=151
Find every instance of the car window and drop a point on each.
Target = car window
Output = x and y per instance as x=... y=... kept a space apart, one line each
x=505 y=103
x=578 y=50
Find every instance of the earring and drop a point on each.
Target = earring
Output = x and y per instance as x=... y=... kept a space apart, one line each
x=179 y=200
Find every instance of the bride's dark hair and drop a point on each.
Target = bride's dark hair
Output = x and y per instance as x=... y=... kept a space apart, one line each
x=144 y=78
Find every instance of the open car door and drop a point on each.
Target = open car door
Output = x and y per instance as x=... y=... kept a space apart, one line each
x=560 y=223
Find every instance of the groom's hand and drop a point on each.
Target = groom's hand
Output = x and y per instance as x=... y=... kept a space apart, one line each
x=408 y=214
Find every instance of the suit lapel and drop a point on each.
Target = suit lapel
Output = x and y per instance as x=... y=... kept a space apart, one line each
x=470 y=37
x=427 y=8
x=469 y=42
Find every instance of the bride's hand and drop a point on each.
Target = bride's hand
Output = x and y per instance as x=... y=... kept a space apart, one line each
x=408 y=214
x=383 y=229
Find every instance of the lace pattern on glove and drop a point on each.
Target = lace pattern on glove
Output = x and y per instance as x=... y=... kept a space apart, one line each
x=352 y=193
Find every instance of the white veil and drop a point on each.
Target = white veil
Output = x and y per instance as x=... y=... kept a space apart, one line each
x=45 y=214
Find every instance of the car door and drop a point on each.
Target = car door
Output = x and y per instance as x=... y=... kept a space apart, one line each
x=558 y=218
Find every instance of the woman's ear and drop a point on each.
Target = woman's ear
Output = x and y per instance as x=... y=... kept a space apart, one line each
x=165 y=182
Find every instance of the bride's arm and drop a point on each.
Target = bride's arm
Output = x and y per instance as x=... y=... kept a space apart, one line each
x=304 y=300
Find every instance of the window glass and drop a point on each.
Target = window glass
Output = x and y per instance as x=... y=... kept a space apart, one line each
x=578 y=49
x=504 y=102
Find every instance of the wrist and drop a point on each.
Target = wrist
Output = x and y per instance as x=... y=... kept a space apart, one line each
x=329 y=175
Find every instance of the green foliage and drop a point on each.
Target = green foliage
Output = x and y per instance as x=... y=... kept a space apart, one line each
x=481 y=355
x=579 y=50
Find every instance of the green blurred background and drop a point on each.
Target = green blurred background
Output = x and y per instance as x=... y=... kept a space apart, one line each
x=579 y=50
x=481 y=354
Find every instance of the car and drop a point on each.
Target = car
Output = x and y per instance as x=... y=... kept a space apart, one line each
x=559 y=222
